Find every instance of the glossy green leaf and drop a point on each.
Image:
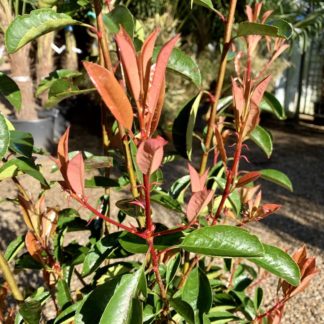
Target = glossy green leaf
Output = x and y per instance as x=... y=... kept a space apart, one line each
x=279 y=263
x=25 y=261
x=21 y=143
x=24 y=165
x=123 y=307
x=184 y=309
x=223 y=240
x=31 y=311
x=99 y=181
x=93 y=305
x=271 y=104
x=262 y=138
x=26 y=28
x=67 y=315
x=135 y=244
x=179 y=128
x=285 y=29
x=205 y=3
x=4 y=136
x=172 y=268
x=63 y=89
x=10 y=90
x=14 y=247
x=251 y=28
x=178 y=188
x=191 y=124
x=183 y=64
x=277 y=177
x=166 y=200
x=258 y=297
x=99 y=252
x=197 y=291
x=63 y=295
x=62 y=74
x=120 y=16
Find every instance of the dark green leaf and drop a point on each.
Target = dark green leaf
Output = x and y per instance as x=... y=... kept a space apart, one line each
x=184 y=309
x=120 y=16
x=63 y=295
x=191 y=124
x=197 y=291
x=129 y=208
x=165 y=199
x=285 y=29
x=183 y=64
x=263 y=139
x=26 y=28
x=178 y=188
x=179 y=128
x=258 y=296
x=135 y=244
x=123 y=306
x=205 y=3
x=24 y=165
x=46 y=83
x=67 y=314
x=14 y=247
x=271 y=104
x=277 y=177
x=223 y=240
x=10 y=90
x=31 y=311
x=4 y=136
x=63 y=89
x=172 y=268
x=21 y=143
x=98 y=181
x=251 y=28
x=25 y=261
x=99 y=252
x=92 y=307
x=279 y=263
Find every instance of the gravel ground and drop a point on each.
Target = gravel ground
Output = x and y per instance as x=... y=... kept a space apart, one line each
x=299 y=152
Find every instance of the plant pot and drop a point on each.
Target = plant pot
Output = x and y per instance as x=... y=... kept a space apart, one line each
x=41 y=129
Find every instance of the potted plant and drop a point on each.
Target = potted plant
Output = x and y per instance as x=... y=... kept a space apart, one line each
x=30 y=116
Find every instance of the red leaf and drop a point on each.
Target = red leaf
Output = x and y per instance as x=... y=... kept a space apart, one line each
x=145 y=58
x=33 y=246
x=157 y=112
x=259 y=90
x=270 y=208
x=159 y=74
x=63 y=150
x=75 y=174
x=129 y=60
x=247 y=178
x=239 y=102
x=198 y=201
x=197 y=181
x=253 y=119
x=150 y=154
x=111 y=93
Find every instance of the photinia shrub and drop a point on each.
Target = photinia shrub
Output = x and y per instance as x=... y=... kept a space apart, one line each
x=207 y=269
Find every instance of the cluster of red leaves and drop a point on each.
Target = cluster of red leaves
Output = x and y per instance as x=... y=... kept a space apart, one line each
x=145 y=80
x=308 y=270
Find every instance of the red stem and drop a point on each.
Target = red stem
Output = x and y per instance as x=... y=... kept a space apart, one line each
x=230 y=177
x=107 y=219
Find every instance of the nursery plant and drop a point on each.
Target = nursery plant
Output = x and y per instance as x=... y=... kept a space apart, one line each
x=210 y=268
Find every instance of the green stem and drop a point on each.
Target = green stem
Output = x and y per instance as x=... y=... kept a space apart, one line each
x=10 y=279
x=219 y=87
